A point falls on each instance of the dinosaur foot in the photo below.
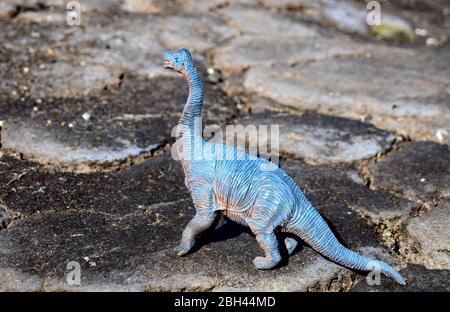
(182, 249)
(264, 263)
(291, 244)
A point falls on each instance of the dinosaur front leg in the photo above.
(200, 223)
(268, 242)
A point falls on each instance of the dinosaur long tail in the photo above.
(312, 228)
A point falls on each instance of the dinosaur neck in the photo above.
(190, 122)
(192, 113)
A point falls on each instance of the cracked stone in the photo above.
(137, 33)
(432, 234)
(28, 188)
(258, 52)
(198, 33)
(396, 89)
(64, 79)
(61, 130)
(253, 20)
(419, 279)
(38, 68)
(26, 40)
(129, 44)
(121, 220)
(418, 170)
(347, 16)
(333, 187)
(318, 138)
(135, 118)
(97, 216)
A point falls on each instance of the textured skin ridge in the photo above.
(235, 185)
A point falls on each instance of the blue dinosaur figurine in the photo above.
(236, 186)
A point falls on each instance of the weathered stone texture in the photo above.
(418, 170)
(319, 138)
(87, 111)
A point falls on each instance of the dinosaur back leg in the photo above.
(268, 242)
(291, 243)
(272, 208)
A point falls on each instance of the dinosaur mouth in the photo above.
(167, 64)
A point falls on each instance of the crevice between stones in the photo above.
(368, 178)
(389, 230)
(85, 168)
(342, 281)
(8, 217)
(21, 8)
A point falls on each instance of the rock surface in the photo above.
(433, 238)
(260, 51)
(419, 279)
(134, 118)
(409, 102)
(123, 234)
(418, 170)
(198, 33)
(319, 138)
(254, 20)
(86, 113)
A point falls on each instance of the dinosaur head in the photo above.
(178, 60)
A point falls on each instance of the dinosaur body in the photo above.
(236, 185)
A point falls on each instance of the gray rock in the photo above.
(333, 188)
(258, 52)
(319, 138)
(419, 279)
(431, 236)
(344, 15)
(134, 118)
(130, 44)
(121, 227)
(151, 184)
(348, 16)
(86, 115)
(137, 61)
(257, 21)
(418, 170)
(198, 33)
(398, 90)
(32, 39)
(65, 79)
(140, 33)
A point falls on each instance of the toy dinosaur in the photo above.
(264, 200)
